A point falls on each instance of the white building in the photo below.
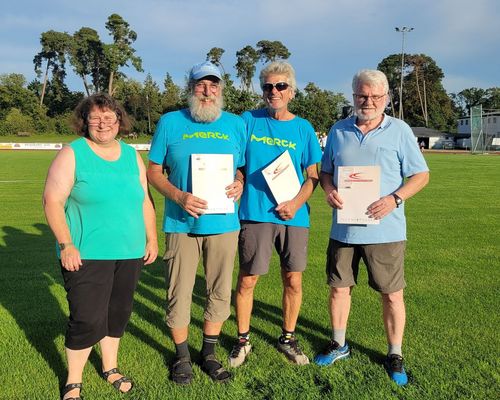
(491, 129)
(433, 139)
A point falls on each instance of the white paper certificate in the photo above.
(281, 178)
(358, 187)
(210, 175)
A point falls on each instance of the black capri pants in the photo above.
(100, 297)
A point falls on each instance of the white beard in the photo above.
(367, 117)
(202, 112)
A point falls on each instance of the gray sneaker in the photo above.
(239, 353)
(293, 352)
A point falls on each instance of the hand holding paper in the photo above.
(358, 187)
(281, 178)
(193, 205)
(234, 190)
(211, 176)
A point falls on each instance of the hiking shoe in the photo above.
(332, 353)
(239, 353)
(293, 352)
(395, 368)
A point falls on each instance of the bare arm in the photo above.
(60, 180)
(287, 209)
(191, 204)
(380, 208)
(151, 251)
(332, 196)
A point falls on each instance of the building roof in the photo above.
(422, 131)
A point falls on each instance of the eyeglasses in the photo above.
(107, 120)
(280, 86)
(363, 98)
(201, 86)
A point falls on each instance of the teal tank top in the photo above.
(104, 210)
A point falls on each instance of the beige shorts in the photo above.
(182, 256)
(384, 262)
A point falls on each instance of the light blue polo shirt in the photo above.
(394, 148)
(178, 136)
(268, 139)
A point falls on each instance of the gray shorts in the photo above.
(256, 243)
(182, 255)
(384, 262)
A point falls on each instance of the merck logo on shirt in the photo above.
(205, 135)
(274, 141)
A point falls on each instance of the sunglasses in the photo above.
(280, 86)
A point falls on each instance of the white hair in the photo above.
(370, 77)
(279, 68)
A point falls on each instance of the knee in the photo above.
(247, 283)
(393, 298)
(293, 282)
(340, 292)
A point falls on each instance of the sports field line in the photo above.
(22, 181)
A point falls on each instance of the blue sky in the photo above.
(329, 40)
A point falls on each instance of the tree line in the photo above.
(45, 104)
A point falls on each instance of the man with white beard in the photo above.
(203, 128)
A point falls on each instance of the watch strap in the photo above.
(62, 246)
(397, 199)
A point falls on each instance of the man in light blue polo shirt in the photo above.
(191, 234)
(371, 138)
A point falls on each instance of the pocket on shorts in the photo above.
(168, 255)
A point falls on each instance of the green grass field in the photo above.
(452, 339)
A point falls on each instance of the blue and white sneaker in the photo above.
(332, 353)
(395, 368)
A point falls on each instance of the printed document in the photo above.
(210, 175)
(281, 178)
(358, 187)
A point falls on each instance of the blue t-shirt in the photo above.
(178, 136)
(394, 148)
(268, 139)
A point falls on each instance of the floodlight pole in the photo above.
(403, 30)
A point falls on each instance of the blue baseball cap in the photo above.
(204, 69)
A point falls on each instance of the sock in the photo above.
(339, 336)
(394, 349)
(181, 350)
(244, 337)
(286, 336)
(209, 342)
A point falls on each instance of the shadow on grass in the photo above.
(153, 281)
(29, 270)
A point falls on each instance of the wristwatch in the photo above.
(62, 246)
(398, 200)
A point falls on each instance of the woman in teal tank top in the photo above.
(98, 206)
